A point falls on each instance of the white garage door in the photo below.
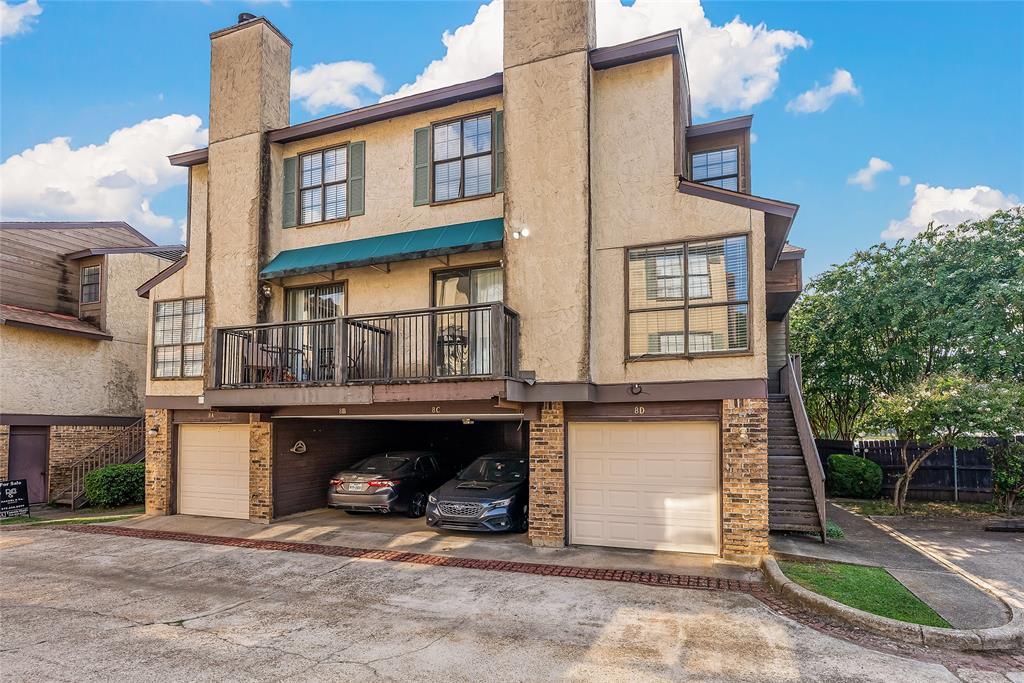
(644, 485)
(213, 470)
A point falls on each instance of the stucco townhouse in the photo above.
(73, 338)
(552, 259)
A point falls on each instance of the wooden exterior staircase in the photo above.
(128, 445)
(796, 480)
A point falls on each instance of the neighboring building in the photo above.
(523, 261)
(72, 343)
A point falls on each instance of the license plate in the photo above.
(353, 487)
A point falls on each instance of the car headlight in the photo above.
(432, 498)
(504, 502)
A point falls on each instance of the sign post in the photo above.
(13, 498)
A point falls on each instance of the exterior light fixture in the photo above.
(467, 420)
(265, 290)
(153, 431)
(525, 232)
(636, 389)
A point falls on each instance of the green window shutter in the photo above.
(421, 167)
(499, 151)
(288, 205)
(356, 178)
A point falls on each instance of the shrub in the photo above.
(116, 485)
(853, 477)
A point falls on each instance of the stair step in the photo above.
(780, 493)
(774, 451)
(794, 506)
(788, 482)
(784, 520)
(808, 528)
(783, 439)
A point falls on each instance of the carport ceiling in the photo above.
(486, 417)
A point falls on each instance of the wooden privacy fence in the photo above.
(963, 474)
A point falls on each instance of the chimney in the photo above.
(547, 182)
(250, 71)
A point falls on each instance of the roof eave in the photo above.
(97, 335)
(143, 289)
(778, 215)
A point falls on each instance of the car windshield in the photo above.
(380, 463)
(495, 470)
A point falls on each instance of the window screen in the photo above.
(688, 298)
(462, 160)
(90, 278)
(323, 185)
(178, 329)
(719, 168)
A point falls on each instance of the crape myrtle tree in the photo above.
(950, 300)
(944, 410)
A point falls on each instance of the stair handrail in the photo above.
(119, 449)
(790, 383)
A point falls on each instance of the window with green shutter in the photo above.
(459, 159)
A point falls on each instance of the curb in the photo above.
(1009, 636)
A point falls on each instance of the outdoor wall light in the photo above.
(265, 290)
(153, 431)
(636, 389)
(525, 232)
(467, 420)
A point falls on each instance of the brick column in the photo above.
(745, 478)
(5, 440)
(159, 463)
(261, 459)
(547, 477)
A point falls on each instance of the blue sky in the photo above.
(931, 90)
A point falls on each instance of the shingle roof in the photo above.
(29, 318)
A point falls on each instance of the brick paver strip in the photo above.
(985, 661)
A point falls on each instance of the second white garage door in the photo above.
(644, 485)
(213, 470)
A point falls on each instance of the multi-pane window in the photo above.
(689, 298)
(178, 338)
(90, 278)
(719, 168)
(462, 159)
(323, 185)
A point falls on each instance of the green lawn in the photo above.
(919, 508)
(47, 518)
(871, 589)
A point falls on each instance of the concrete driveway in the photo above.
(89, 607)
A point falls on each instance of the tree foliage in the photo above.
(944, 410)
(949, 300)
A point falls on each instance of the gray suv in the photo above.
(396, 481)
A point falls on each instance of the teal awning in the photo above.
(402, 246)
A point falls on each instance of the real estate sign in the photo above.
(14, 498)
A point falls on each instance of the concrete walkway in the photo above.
(394, 532)
(953, 597)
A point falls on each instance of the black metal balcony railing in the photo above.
(430, 344)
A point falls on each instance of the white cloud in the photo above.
(338, 84)
(951, 206)
(731, 67)
(114, 180)
(15, 19)
(904, 180)
(820, 97)
(865, 177)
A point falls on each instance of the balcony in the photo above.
(425, 345)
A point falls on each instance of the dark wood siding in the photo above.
(778, 347)
(33, 270)
(300, 480)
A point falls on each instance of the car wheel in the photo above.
(418, 505)
(524, 520)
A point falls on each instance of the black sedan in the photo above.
(492, 494)
(397, 481)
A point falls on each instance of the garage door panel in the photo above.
(662, 494)
(213, 470)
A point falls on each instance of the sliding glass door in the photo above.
(310, 348)
(463, 338)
